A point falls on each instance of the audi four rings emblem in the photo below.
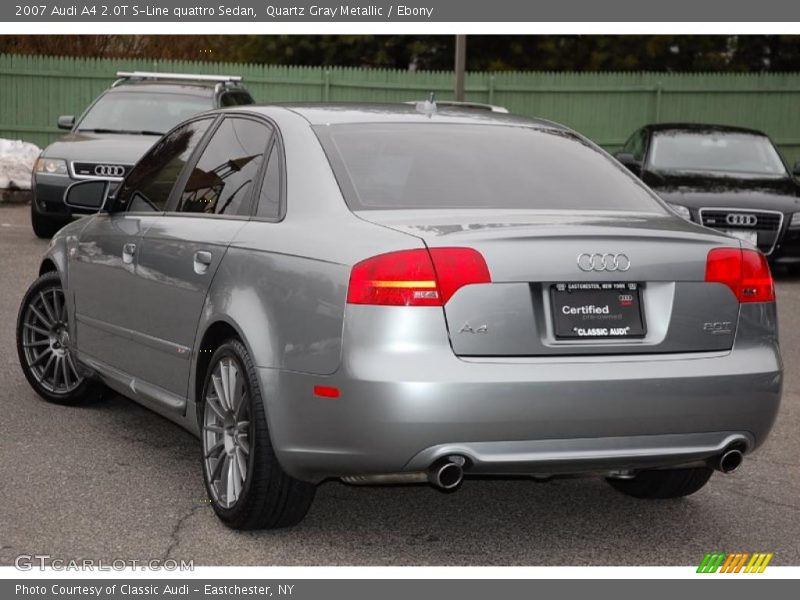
(741, 219)
(109, 170)
(603, 262)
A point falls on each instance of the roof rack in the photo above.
(124, 75)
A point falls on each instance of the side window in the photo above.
(221, 181)
(635, 145)
(269, 202)
(148, 186)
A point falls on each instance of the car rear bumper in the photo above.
(407, 400)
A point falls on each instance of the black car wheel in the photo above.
(663, 484)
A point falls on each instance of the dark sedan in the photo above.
(727, 178)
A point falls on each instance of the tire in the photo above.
(43, 346)
(235, 437)
(44, 227)
(663, 484)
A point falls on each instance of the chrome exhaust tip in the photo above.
(730, 460)
(448, 473)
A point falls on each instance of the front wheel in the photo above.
(246, 484)
(43, 346)
(663, 484)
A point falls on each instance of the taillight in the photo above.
(416, 277)
(746, 272)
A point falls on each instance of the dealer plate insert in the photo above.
(597, 310)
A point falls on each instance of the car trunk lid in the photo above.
(569, 282)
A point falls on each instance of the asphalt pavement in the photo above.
(116, 481)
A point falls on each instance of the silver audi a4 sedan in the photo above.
(382, 295)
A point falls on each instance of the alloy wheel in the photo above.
(226, 432)
(45, 342)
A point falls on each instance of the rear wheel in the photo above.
(43, 226)
(663, 484)
(246, 484)
(43, 346)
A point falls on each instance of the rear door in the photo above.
(181, 251)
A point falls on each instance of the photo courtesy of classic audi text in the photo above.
(357, 299)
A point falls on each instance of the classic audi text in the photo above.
(381, 295)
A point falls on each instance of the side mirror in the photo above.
(66, 122)
(89, 195)
(630, 162)
(796, 169)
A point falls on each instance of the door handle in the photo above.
(128, 252)
(202, 260)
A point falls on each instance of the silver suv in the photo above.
(383, 296)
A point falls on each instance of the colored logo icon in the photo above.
(738, 562)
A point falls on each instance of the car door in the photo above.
(179, 254)
(103, 266)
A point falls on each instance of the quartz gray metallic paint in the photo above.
(412, 390)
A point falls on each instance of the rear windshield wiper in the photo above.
(125, 131)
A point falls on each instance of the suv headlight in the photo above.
(681, 210)
(51, 166)
(795, 222)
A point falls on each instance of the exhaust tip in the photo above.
(448, 474)
(730, 460)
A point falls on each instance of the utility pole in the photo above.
(460, 66)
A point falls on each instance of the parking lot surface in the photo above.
(116, 481)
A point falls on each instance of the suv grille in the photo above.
(739, 219)
(765, 224)
(98, 169)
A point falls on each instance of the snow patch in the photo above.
(16, 164)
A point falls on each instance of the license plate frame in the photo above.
(746, 235)
(597, 311)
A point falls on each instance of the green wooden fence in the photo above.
(607, 107)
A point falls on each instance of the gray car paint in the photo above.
(670, 260)
(405, 393)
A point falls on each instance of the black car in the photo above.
(117, 129)
(727, 178)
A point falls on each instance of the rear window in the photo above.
(456, 166)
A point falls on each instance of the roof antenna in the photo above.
(428, 108)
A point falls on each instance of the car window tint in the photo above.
(221, 181)
(269, 203)
(464, 166)
(147, 188)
